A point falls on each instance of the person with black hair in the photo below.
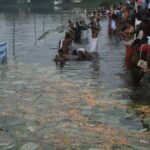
(65, 43)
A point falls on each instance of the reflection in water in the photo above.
(35, 37)
(60, 64)
(140, 94)
(3, 71)
(138, 110)
(14, 32)
(95, 63)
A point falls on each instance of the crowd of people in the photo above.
(73, 36)
(129, 20)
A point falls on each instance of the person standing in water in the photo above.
(95, 28)
(128, 36)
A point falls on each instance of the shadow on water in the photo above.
(140, 94)
(96, 63)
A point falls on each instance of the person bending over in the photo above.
(82, 54)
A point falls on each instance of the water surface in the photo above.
(84, 105)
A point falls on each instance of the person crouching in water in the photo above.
(82, 54)
(60, 58)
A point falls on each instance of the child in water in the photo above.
(60, 57)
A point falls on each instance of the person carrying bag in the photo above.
(142, 63)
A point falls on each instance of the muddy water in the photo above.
(82, 105)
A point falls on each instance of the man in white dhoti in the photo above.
(95, 28)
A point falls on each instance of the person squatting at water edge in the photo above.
(77, 54)
(60, 58)
(64, 52)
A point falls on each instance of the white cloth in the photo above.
(61, 43)
(137, 22)
(93, 46)
(81, 50)
(113, 25)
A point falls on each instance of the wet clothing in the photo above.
(95, 28)
(113, 25)
(82, 54)
(93, 45)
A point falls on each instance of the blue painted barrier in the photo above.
(3, 51)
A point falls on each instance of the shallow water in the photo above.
(82, 105)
